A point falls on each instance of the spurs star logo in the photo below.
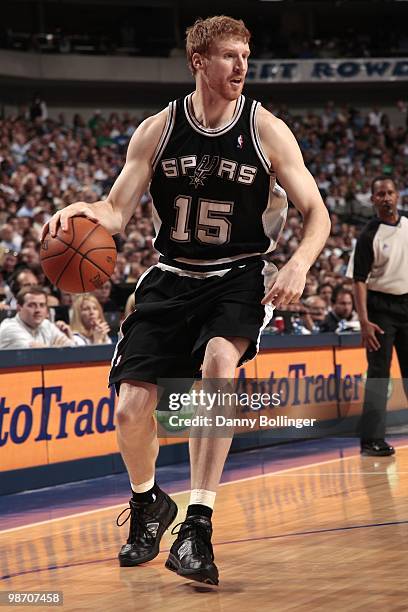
(204, 169)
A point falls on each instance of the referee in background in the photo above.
(379, 268)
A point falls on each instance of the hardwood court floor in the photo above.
(330, 535)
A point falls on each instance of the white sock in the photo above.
(142, 487)
(203, 497)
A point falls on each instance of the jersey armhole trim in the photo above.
(168, 128)
(256, 139)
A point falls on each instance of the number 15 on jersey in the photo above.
(212, 224)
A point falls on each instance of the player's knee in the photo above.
(135, 407)
(218, 367)
(220, 359)
(133, 418)
(125, 419)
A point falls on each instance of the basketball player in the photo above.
(211, 161)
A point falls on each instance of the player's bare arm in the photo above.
(115, 212)
(286, 158)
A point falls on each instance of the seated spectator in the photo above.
(310, 286)
(66, 298)
(3, 298)
(325, 291)
(335, 200)
(121, 269)
(8, 262)
(88, 322)
(22, 278)
(27, 208)
(103, 295)
(135, 272)
(52, 300)
(30, 328)
(28, 256)
(342, 316)
(9, 238)
(329, 279)
(53, 310)
(347, 283)
(315, 313)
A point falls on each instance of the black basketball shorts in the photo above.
(175, 317)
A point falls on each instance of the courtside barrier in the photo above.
(57, 413)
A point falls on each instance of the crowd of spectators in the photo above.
(46, 164)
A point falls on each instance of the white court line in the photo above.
(222, 484)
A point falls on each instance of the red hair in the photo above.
(201, 35)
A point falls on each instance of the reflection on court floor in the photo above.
(329, 534)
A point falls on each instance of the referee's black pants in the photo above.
(390, 312)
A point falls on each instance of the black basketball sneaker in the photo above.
(376, 448)
(148, 522)
(191, 555)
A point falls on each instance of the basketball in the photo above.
(80, 259)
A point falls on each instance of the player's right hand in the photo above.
(368, 335)
(60, 218)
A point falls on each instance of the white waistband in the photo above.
(190, 274)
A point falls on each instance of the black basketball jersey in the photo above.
(215, 197)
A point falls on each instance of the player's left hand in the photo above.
(288, 285)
